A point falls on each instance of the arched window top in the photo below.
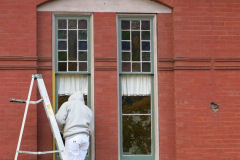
(120, 6)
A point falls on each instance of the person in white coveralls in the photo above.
(75, 122)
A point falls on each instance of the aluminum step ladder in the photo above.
(50, 115)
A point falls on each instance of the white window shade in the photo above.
(133, 85)
(68, 84)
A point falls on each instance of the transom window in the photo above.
(72, 45)
(136, 45)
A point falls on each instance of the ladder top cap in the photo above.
(37, 76)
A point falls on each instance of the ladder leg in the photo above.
(24, 118)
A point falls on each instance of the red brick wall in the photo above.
(106, 97)
(166, 87)
(18, 38)
(44, 51)
(209, 32)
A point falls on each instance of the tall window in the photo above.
(73, 57)
(136, 88)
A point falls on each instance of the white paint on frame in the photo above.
(118, 6)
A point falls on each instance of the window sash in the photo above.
(120, 50)
(138, 157)
(88, 50)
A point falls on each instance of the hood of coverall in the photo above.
(76, 96)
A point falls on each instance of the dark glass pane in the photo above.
(125, 35)
(62, 66)
(72, 45)
(83, 66)
(146, 46)
(145, 56)
(136, 46)
(82, 35)
(145, 25)
(146, 67)
(136, 104)
(136, 135)
(62, 34)
(62, 45)
(82, 56)
(72, 24)
(62, 56)
(82, 24)
(125, 45)
(126, 66)
(72, 66)
(82, 45)
(135, 25)
(145, 35)
(136, 67)
(62, 24)
(125, 56)
(64, 98)
(125, 25)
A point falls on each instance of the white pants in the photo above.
(77, 146)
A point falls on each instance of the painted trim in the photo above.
(133, 6)
(155, 93)
(53, 106)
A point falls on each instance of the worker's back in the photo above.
(75, 117)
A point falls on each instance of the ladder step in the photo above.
(46, 152)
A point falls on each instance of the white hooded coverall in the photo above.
(75, 122)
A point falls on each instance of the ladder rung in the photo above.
(46, 152)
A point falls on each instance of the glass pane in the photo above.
(62, 34)
(146, 46)
(83, 66)
(136, 46)
(125, 56)
(62, 24)
(72, 66)
(62, 45)
(64, 98)
(72, 45)
(145, 35)
(125, 45)
(146, 67)
(82, 24)
(125, 25)
(126, 66)
(136, 104)
(82, 56)
(125, 35)
(62, 56)
(82, 35)
(136, 67)
(82, 45)
(145, 25)
(136, 135)
(72, 24)
(145, 56)
(135, 25)
(62, 66)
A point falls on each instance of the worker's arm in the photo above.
(92, 126)
(61, 116)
